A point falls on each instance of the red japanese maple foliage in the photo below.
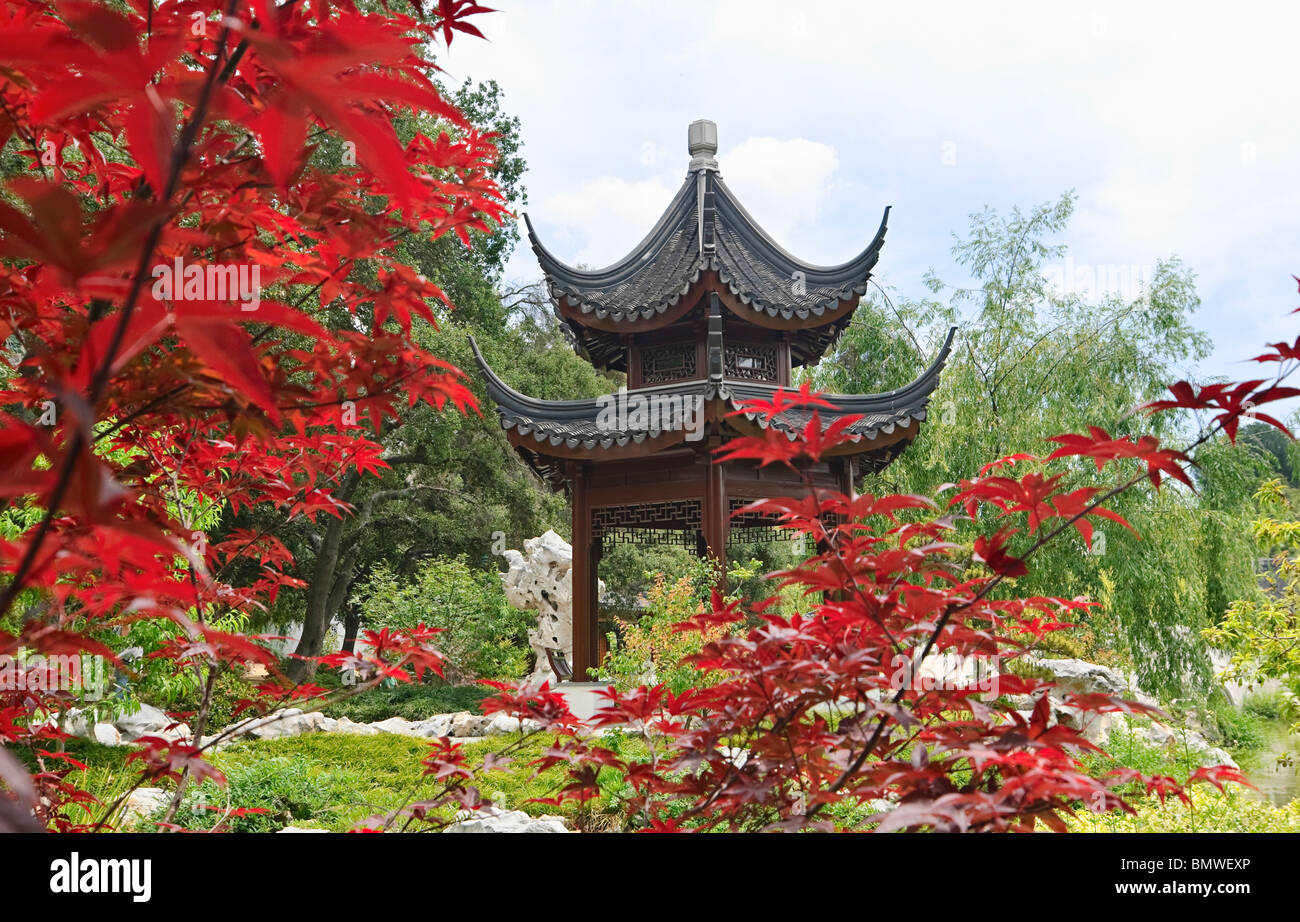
(810, 727)
(165, 262)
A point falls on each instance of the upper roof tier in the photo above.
(706, 231)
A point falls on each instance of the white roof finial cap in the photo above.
(702, 141)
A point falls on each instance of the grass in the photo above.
(330, 781)
(411, 701)
(338, 782)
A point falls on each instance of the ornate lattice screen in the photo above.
(754, 527)
(675, 521)
(662, 364)
(750, 362)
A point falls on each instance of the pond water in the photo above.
(1275, 769)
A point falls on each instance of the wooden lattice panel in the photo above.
(751, 362)
(753, 527)
(676, 521)
(663, 364)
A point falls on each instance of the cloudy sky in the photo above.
(1176, 124)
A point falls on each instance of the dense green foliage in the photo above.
(454, 483)
(413, 701)
(1032, 359)
(647, 649)
(482, 635)
(1262, 631)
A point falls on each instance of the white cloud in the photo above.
(599, 221)
(1175, 124)
(785, 185)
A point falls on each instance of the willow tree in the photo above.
(1035, 357)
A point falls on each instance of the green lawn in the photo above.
(328, 781)
(340, 781)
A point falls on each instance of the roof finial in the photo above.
(702, 140)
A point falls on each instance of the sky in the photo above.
(1176, 124)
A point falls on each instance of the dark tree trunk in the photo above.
(335, 568)
(326, 592)
(351, 624)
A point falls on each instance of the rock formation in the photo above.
(540, 579)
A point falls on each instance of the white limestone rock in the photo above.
(1078, 677)
(463, 723)
(346, 725)
(437, 726)
(149, 721)
(540, 579)
(503, 724)
(106, 734)
(141, 804)
(396, 725)
(492, 819)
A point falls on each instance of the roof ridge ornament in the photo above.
(702, 142)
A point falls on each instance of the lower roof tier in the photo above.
(646, 421)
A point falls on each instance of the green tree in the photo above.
(453, 483)
(1031, 360)
(482, 636)
(1262, 629)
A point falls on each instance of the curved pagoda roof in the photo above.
(706, 239)
(549, 432)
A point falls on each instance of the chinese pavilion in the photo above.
(705, 313)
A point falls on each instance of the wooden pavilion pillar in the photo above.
(846, 478)
(586, 594)
(717, 520)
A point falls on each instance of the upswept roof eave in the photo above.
(564, 275)
(854, 270)
(531, 415)
(582, 408)
(757, 270)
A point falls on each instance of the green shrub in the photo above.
(1210, 811)
(649, 649)
(1241, 730)
(1125, 748)
(415, 701)
(1267, 706)
(229, 690)
(292, 791)
(482, 634)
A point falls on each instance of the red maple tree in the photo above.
(164, 143)
(810, 726)
(166, 260)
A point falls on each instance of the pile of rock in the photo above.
(149, 721)
(1078, 677)
(493, 819)
(125, 728)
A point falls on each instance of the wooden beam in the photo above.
(584, 603)
(717, 520)
(593, 616)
